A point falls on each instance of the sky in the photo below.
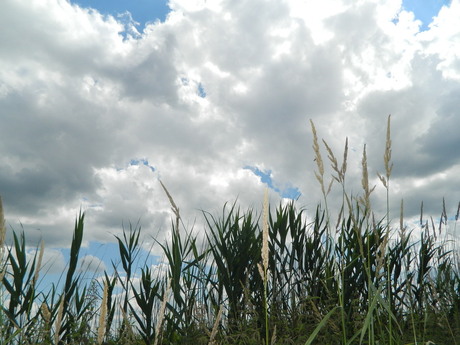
(99, 100)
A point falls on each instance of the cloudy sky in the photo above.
(101, 99)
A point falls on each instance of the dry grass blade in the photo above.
(216, 325)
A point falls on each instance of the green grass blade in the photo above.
(318, 328)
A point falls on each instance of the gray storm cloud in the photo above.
(211, 90)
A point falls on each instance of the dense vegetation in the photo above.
(278, 277)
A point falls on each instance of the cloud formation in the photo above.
(217, 87)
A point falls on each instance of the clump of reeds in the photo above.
(282, 276)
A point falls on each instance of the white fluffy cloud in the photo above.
(91, 263)
(219, 86)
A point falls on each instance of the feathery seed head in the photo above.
(333, 161)
(387, 155)
(265, 235)
(39, 262)
(318, 158)
(402, 229)
(102, 316)
(59, 320)
(45, 312)
(365, 182)
(161, 313)
(345, 156)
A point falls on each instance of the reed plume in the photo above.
(263, 270)
(265, 236)
(58, 322)
(46, 314)
(174, 208)
(365, 200)
(102, 316)
(39, 262)
(318, 159)
(161, 312)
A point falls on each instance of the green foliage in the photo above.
(359, 282)
(235, 246)
(318, 287)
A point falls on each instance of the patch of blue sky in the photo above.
(145, 11)
(141, 161)
(106, 258)
(425, 10)
(292, 193)
(109, 254)
(142, 11)
(265, 177)
(200, 91)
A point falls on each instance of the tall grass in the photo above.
(282, 276)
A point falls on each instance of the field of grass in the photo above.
(278, 276)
